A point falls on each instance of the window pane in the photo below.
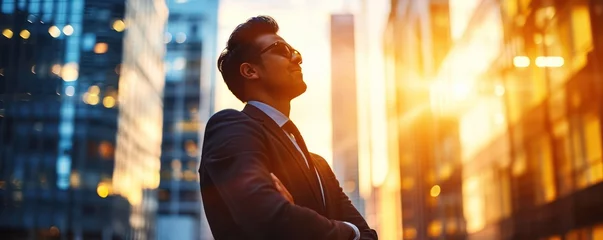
(581, 27)
(564, 158)
(592, 135)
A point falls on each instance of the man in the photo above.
(258, 180)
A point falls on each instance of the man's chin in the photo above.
(297, 89)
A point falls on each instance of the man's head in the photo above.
(258, 63)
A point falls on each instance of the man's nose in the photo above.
(296, 57)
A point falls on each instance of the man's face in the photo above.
(280, 73)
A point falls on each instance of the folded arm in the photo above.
(349, 213)
(234, 159)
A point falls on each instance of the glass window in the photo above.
(505, 190)
(593, 171)
(557, 41)
(541, 161)
(557, 106)
(564, 158)
(587, 146)
(581, 33)
(189, 196)
(474, 204)
(164, 195)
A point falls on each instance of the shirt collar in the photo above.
(279, 118)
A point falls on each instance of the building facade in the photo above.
(81, 95)
(190, 39)
(423, 142)
(344, 106)
(525, 82)
(553, 121)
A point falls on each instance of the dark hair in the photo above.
(239, 49)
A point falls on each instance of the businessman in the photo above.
(258, 179)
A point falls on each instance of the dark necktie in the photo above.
(292, 129)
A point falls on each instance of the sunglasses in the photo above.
(282, 49)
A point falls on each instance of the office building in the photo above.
(80, 128)
(344, 106)
(424, 144)
(525, 84)
(190, 39)
(550, 164)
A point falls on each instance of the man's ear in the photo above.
(248, 71)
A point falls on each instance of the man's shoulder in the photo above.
(319, 159)
(226, 114)
(230, 120)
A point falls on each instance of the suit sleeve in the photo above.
(234, 158)
(349, 213)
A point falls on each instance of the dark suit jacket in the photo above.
(240, 150)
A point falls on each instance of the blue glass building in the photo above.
(190, 39)
(80, 118)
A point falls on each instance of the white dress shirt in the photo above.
(280, 119)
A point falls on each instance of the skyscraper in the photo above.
(417, 39)
(190, 38)
(80, 117)
(344, 105)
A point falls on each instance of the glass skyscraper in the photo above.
(190, 67)
(80, 118)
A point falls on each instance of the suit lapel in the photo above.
(323, 171)
(275, 130)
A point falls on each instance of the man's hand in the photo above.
(281, 188)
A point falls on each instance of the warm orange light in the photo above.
(102, 190)
(435, 229)
(68, 30)
(106, 150)
(408, 183)
(91, 99)
(191, 148)
(101, 48)
(190, 176)
(94, 90)
(109, 102)
(7, 33)
(70, 72)
(409, 233)
(119, 25)
(56, 69)
(550, 61)
(435, 191)
(74, 179)
(25, 34)
(521, 61)
(54, 31)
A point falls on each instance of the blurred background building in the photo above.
(75, 133)
(416, 40)
(344, 106)
(191, 42)
(499, 112)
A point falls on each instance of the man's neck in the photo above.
(282, 106)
